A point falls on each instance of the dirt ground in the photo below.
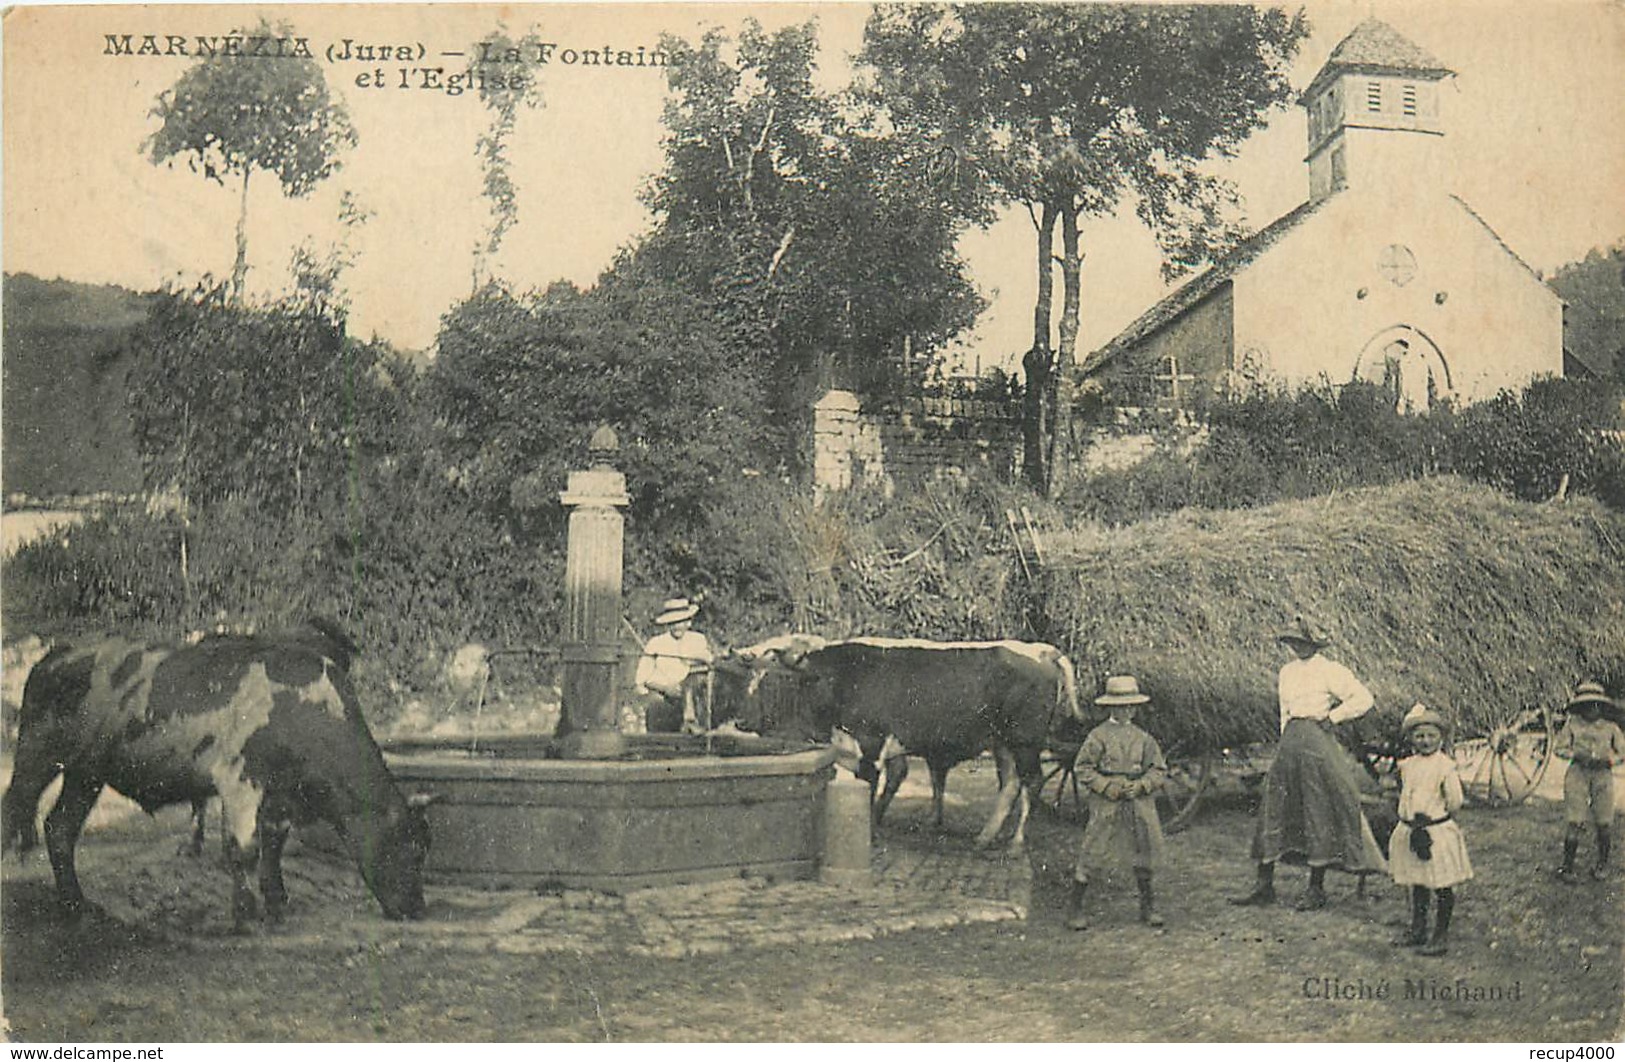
(1215, 973)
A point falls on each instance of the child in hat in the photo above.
(669, 661)
(1122, 768)
(1427, 850)
(1592, 745)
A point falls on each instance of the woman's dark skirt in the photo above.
(1311, 810)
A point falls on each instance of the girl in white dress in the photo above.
(1427, 850)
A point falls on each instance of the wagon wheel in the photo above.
(1188, 783)
(1059, 791)
(1504, 767)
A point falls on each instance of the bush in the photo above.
(270, 403)
(939, 561)
(117, 571)
(1525, 444)
(1273, 447)
(411, 579)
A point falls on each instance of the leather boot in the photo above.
(1263, 894)
(1571, 847)
(1148, 899)
(1417, 935)
(1075, 918)
(1441, 926)
(1314, 897)
(1605, 842)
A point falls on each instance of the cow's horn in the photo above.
(423, 800)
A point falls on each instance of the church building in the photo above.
(1383, 275)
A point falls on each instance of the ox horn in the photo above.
(424, 800)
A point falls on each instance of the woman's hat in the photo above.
(1421, 715)
(1591, 693)
(675, 610)
(1120, 690)
(1304, 630)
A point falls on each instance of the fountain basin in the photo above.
(510, 815)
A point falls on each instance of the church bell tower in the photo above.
(1374, 119)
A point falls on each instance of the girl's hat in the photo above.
(675, 610)
(1304, 630)
(1590, 693)
(1421, 715)
(1121, 690)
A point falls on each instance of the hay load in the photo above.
(1437, 590)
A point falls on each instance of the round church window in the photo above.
(1397, 264)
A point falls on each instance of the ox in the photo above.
(270, 724)
(755, 689)
(946, 702)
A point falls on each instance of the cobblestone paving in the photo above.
(921, 881)
(922, 878)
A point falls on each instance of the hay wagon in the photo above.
(1438, 590)
(1502, 767)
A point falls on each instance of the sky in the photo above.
(1534, 120)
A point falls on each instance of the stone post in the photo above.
(845, 859)
(589, 723)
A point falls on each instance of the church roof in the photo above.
(1240, 257)
(1203, 284)
(1496, 236)
(1375, 43)
(1374, 47)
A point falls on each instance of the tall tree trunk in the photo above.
(239, 269)
(1060, 461)
(1037, 361)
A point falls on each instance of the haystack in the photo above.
(1440, 590)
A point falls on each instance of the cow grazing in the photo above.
(270, 724)
(946, 702)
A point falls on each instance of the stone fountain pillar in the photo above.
(589, 724)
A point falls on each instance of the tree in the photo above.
(318, 270)
(269, 403)
(259, 409)
(805, 225)
(503, 97)
(229, 116)
(521, 381)
(1594, 317)
(1073, 110)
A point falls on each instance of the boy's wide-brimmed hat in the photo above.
(1591, 693)
(1121, 690)
(675, 610)
(1421, 715)
(1305, 631)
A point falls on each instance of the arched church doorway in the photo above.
(1408, 365)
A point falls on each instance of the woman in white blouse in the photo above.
(1311, 812)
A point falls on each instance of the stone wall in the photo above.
(1133, 435)
(929, 437)
(920, 439)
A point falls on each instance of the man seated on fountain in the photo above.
(673, 671)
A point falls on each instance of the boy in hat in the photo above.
(1592, 745)
(1123, 769)
(1427, 850)
(669, 659)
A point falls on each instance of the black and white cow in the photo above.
(944, 701)
(270, 724)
